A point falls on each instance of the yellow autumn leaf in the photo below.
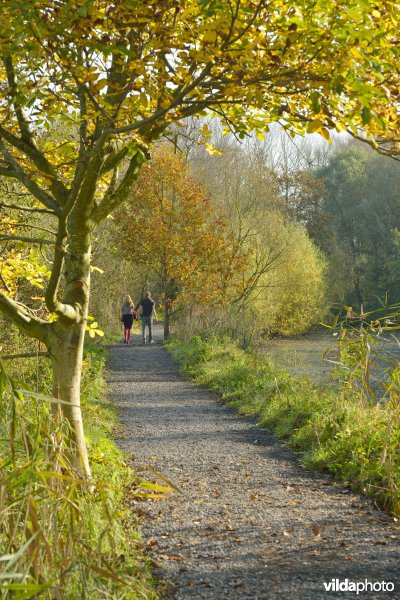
(315, 126)
(101, 83)
(326, 135)
(212, 150)
(210, 36)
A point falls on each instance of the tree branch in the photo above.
(83, 126)
(15, 170)
(29, 226)
(27, 323)
(97, 106)
(23, 125)
(27, 209)
(111, 201)
(24, 355)
(144, 123)
(113, 161)
(377, 146)
(83, 189)
(81, 200)
(4, 282)
(26, 143)
(20, 238)
(59, 190)
(52, 303)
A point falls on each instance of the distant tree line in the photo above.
(351, 209)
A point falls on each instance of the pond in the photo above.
(307, 354)
(314, 354)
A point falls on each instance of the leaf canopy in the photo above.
(139, 66)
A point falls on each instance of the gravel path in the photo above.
(250, 522)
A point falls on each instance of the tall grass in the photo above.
(337, 429)
(61, 537)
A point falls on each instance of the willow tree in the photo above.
(113, 75)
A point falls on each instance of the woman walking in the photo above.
(127, 315)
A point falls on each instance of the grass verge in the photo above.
(340, 431)
(59, 537)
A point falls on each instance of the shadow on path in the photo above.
(250, 523)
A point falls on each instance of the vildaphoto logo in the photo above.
(345, 585)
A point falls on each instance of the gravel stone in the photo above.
(250, 523)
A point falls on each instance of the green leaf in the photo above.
(366, 115)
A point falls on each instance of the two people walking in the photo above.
(146, 309)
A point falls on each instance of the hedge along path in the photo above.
(250, 523)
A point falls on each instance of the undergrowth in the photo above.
(61, 537)
(337, 430)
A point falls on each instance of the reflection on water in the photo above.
(314, 354)
(307, 354)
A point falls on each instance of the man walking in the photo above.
(148, 310)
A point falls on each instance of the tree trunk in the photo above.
(166, 321)
(67, 354)
(66, 346)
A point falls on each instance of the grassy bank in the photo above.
(62, 538)
(340, 431)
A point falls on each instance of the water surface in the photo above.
(315, 354)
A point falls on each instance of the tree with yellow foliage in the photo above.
(114, 75)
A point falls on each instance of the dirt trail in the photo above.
(251, 523)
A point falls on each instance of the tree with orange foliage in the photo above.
(173, 230)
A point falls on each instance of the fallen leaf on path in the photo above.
(215, 521)
(165, 479)
(316, 530)
(170, 556)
